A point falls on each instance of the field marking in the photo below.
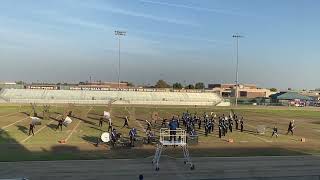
(77, 126)
(137, 121)
(39, 129)
(4, 127)
(9, 114)
(36, 132)
(257, 135)
(72, 131)
(88, 112)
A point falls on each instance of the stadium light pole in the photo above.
(90, 84)
(237, 36)
(119, 34)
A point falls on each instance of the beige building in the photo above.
(244, 90)
(315, 95)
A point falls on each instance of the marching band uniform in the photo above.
(31, 129)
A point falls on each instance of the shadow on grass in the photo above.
(84, 120)
(93, 118)
(92, 113)
(56, 119)
(25, 113)
(52, 126)
(99, 129)
(23, 129)
(315, 122)
(91, 139)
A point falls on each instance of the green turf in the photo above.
(82, 134)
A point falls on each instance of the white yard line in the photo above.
(8, 114)
(36, 132)
(88, 112)
(76, 126)
(138, 122)
(72, 131)
(4, 127)
(265, 140)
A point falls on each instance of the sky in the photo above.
(176, 40)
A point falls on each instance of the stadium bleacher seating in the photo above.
(121, 97)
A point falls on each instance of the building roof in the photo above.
(289, 96)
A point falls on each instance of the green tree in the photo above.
(20, 82)
(162, 84)
(177, 85)
(190, 86)
(273, 90)
(199, 85)
(130, 84)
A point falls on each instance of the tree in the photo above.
(199, 85)
(177, 85)
(162, 84)
(190, 86)
(273, 90)
(129, 84)
(20, 82)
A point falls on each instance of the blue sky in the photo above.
(185, 41)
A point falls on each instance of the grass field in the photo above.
(81, 134)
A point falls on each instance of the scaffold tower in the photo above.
(173, 138)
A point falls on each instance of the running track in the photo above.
(238, 168)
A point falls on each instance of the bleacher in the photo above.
(103, 97)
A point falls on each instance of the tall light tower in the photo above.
(237, 36)
(119, 34)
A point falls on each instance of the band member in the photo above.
(193, 132)
(241, 124)
(220, 130)
(148, 125)
(100, 122)
(199, 123)
(132, 135)
(275, 131)
(126, 122)
(226, 125)
(113, 137)
(110, 125)
(173, 127)
(70, 113)
(31, 127)
(212, 124)
(291, 127)
(206, 128)
(237, 122)
(60, 124)
(164, 123)
(140, 177)
(150, 136)
(230, 124)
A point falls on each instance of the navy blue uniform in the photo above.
(173, 127)
(132, 134)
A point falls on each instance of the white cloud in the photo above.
(143, 15)
(203, 9)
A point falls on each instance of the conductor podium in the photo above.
(168, 138)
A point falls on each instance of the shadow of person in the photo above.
(23, 129)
